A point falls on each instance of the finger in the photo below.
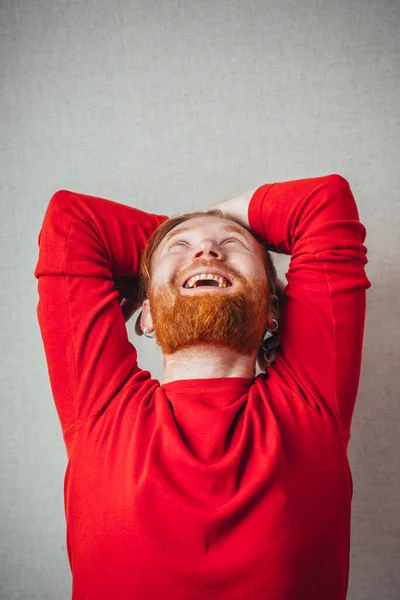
(265, 357)
(271, 342)
(261, 359)
(127, 309)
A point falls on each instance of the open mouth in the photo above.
(207, 280)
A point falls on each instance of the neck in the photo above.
(205, 361)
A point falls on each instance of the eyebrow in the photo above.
(231, 228)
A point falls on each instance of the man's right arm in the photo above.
(85, 243)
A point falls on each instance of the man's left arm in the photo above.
(238, 207)
(316, 221)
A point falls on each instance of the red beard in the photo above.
(235, 319)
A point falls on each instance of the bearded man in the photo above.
(213, 483)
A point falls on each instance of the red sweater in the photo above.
(206, 489)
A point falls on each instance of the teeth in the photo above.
(192, 281)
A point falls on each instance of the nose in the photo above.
(206, 248)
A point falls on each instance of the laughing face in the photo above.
(208, 286)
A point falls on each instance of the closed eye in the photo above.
(178, 242)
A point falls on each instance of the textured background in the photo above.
(172, 106)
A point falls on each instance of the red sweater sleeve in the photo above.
(316, 221)
(84, 242)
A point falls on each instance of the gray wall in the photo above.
(172, 106)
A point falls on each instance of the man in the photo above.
(213, 483)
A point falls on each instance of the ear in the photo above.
(144, 319)
(274, 309)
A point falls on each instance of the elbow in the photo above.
(337, 183)
(61, 198)
(342, 200)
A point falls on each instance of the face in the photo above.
(234, 316)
